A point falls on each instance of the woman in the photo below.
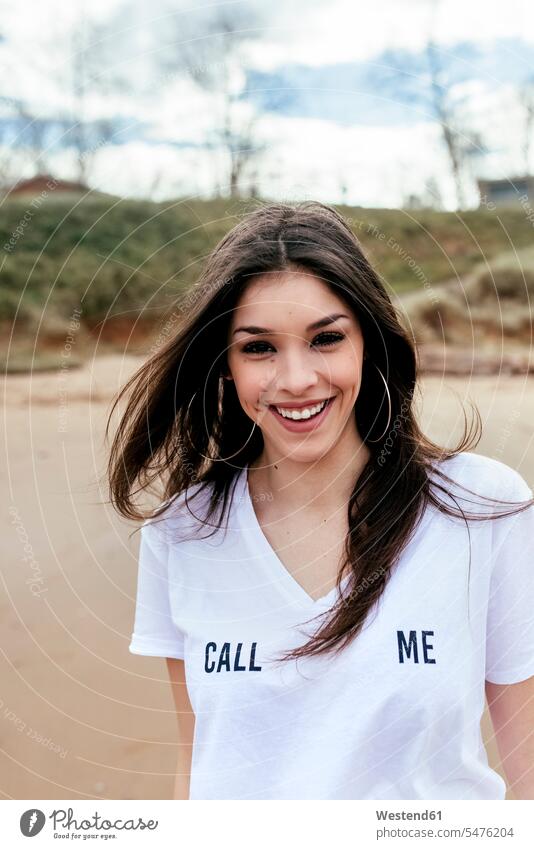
(333, 635)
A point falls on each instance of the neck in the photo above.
(324, 484)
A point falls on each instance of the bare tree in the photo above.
(526, 99)
(88, 78)
(24, 136)
(238, 137)
(34, 137)
(30, 131)
(461, 143)
(211, 50)
(432, 194)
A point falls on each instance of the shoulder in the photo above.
(178, 516)
(485, 476)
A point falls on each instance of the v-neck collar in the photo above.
(269, 559)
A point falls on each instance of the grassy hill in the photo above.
(122, 262)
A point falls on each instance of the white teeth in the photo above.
(305, 413)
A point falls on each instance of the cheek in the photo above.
(248, 382)
(254, 379)
(345, 372)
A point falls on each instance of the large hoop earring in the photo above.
(389, 404)
(214, 459)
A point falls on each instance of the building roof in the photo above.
(41, 182)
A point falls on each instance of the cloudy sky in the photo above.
(338, 89)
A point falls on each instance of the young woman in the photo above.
(331, 608)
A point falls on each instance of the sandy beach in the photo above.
(80, 717)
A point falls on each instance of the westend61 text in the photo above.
(408, 815)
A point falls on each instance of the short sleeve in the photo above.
(510, 622)
(154, 633)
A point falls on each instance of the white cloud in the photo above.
(379, 166)
(345, 30)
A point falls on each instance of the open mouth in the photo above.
(297, 415)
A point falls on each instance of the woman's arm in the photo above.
(186, 727)
(511, 707)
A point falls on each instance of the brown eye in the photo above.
(332, 337)
(325, 340)
(252, 346)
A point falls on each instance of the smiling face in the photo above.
(294, 344)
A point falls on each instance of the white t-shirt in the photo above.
(397, 714)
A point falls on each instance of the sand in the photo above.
(80, 717)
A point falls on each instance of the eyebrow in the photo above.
(328, 319)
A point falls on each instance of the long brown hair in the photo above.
(181, 413)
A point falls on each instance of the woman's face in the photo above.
(277, 359)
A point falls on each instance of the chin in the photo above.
(305, 454)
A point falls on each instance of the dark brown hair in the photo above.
(180, 391)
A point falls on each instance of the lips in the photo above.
(306, 424)
(312, 403)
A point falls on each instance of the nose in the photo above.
(294, 373)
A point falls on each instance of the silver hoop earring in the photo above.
(389, 404)
(214, 459)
